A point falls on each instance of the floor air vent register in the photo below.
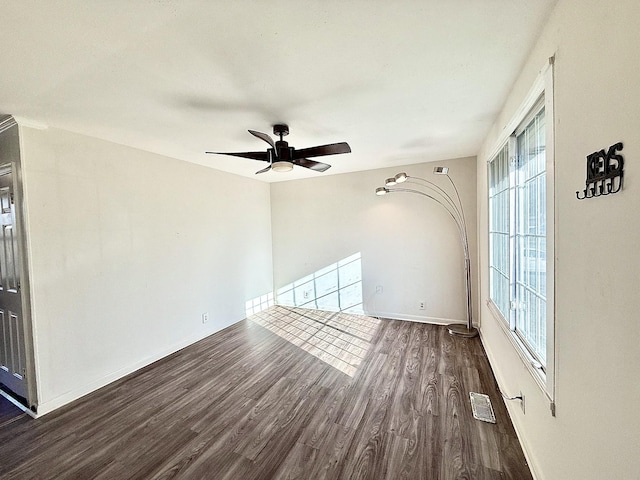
(481, 406)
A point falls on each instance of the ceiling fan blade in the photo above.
(331, 149)
(264, 170)
(264, 156)
(312, 164)
(265, 137)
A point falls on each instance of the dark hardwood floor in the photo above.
(287, 394)
(9, 413)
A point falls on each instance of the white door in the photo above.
(12, 341)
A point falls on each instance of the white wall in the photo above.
(127, 250)
(409, 245)
(596, 433)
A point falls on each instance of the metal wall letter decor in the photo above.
(605, 171)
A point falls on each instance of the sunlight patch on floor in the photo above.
(338, 339)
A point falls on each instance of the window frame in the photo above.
(532, 104)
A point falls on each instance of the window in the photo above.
(520, 192)
(499, 232)
(530, 237)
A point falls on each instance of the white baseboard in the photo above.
(55, 403)
(414, 318)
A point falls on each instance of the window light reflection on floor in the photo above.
(337, 338)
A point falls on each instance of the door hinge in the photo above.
(11, 198)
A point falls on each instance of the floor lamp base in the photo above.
(461, 330)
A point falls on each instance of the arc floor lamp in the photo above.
(453, 206)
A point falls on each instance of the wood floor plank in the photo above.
(301, 398)
(295, 465)
(407, 394)
(512, 461)
(297, 394)
(8, 412)
(358, 396)
(319, 425)
(332, 453)
(457, 450)
(211, 428)
(270, 458)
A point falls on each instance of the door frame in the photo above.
(6, 125)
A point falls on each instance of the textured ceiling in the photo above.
(402, 81)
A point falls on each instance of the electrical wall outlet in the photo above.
(205, 317)
(421, 305)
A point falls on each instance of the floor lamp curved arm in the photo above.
(464, 330)
(423, 182)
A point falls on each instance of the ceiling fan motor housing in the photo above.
(281, 130)
(284, 151)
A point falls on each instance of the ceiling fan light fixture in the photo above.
(390, 182)
(281, 157)
(401, 177)
(282, 166)
(381, 191)
(441, 170)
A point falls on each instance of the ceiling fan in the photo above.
(282, 157)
